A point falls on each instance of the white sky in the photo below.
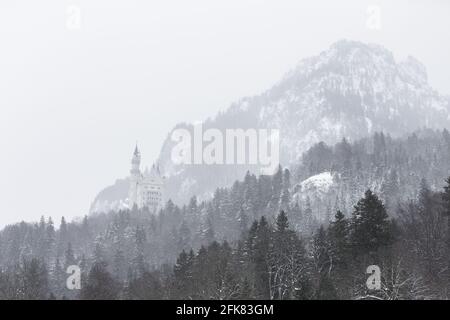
(73, 102)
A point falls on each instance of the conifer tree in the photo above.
(182, 277)
(208, 234)
(286, 261)
(184, 237)
(308, 221)
(69, 257)
(100, 284)
(321, 253)
(338, 233)
(33, 280)
(282, 223)
(62, 236)
(138, 264)
(120, 264)
(326, 289)
(370, 225)
(243, 222)
(145, 287)
(245, 292)
(446, 198)
(295, 217)
(260, 258)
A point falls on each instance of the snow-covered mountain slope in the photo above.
(112, 198)
(350, 90)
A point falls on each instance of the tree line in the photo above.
(271, 261)
(327, 240)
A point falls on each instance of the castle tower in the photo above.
(135, 177)
(146, 188)
(136, 162)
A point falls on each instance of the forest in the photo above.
(262, 238)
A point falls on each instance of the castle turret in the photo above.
(135, 176)
(136, 163)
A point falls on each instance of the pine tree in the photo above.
(85, 228)
(245, 290)
(208, 234)
(308, 218)
(338, 233)
(58, 279)
(285, 199)
(49, 240)
(120, 265)
(100, 284)
(321, 252)
(326, 289)
(184, 238)
(277, 181)
(138, 265)
(33, 280)
(446, 198)
(433, 233)
(379, 149)
(286, 261)
(42, 238)
(370, 225)
(200, 274)
(390, 189)
(182, 277)
(260, 259)
(286, 179)
(243, 222)
(264, 193)
(146, 287)
(277, 188)
(295, 217)
(339, 278)
(62, 236)
(69, 257)
(42, 224)
(193, 207)
(282, 223)
(99, 252)
(343, 158)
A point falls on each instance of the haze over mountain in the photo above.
(350, 90)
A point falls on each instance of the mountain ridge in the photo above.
(350, 90)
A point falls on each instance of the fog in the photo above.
(76, 94)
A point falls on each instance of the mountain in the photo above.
(112, 198)
(350, 90)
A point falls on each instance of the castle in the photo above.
(147, 188)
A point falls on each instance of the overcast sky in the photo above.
(74, 98)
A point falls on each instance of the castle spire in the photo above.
(136, 162)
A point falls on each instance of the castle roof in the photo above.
(136, 151)
(153, 176)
